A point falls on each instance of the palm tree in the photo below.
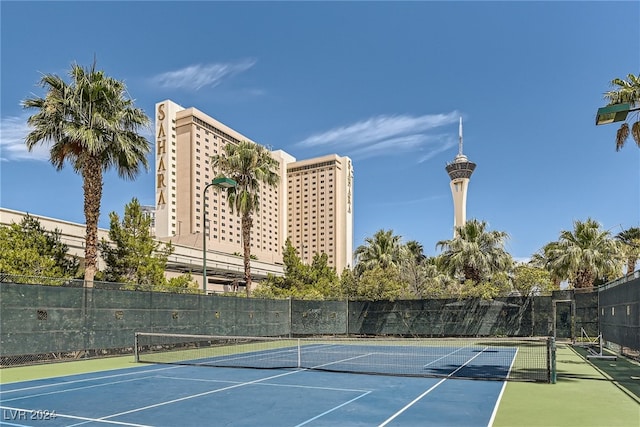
(630, 239)
(584, 255)
(250, 166)
(544, 259)
(382, 250)
(474, 253)
(415, 250)
(412, 269)
(91, 123)
(626, 92)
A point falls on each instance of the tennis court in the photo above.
(420, 384)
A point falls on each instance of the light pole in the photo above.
(221, 182)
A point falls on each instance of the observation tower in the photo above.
(459, 171)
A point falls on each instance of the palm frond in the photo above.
(621, 136)
(635, 132)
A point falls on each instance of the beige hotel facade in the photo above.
(312, 204)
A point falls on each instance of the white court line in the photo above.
(264, 354)
(410, 404)
(74, 389)
(504, 385)
(495, 408)
(214, 391)
(255, 355)
(86, 379)
(266, 384)
(513, 360)
(446, 355)
(155, 405)
(343, 360)
(73, 417)
(333, 409)
(106, 418)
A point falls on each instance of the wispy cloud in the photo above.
(384, 135)
(12, 147)
(13, 131)
(197, 76)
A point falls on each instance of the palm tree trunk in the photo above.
(631, 264)
(584, 279)
(246, 246)
(92, 187)
(472, 274)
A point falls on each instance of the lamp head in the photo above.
(224, 182)
(612, 113)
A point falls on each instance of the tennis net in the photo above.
(517, 359)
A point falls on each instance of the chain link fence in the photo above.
(619, 315)
(63, 320)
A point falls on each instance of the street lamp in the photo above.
(221, 182)
(613, 113)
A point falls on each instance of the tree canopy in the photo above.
(302, 281)
(630, 240)
(28, 249)
(585, 254)
(383, 250)
(134, 257)
(475, 253)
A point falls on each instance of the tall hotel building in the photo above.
(312, 205)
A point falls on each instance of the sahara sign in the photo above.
(161, 153)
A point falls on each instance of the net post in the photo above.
(135, 348)
(551, 351)
(299, 355)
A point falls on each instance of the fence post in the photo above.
(347, 322)
(290, 317)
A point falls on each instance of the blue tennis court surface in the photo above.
(177, 395)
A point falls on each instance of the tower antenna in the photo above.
(460, 142)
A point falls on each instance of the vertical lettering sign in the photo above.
(349, 177)
(161, 153)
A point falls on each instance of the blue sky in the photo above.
(381, 82)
